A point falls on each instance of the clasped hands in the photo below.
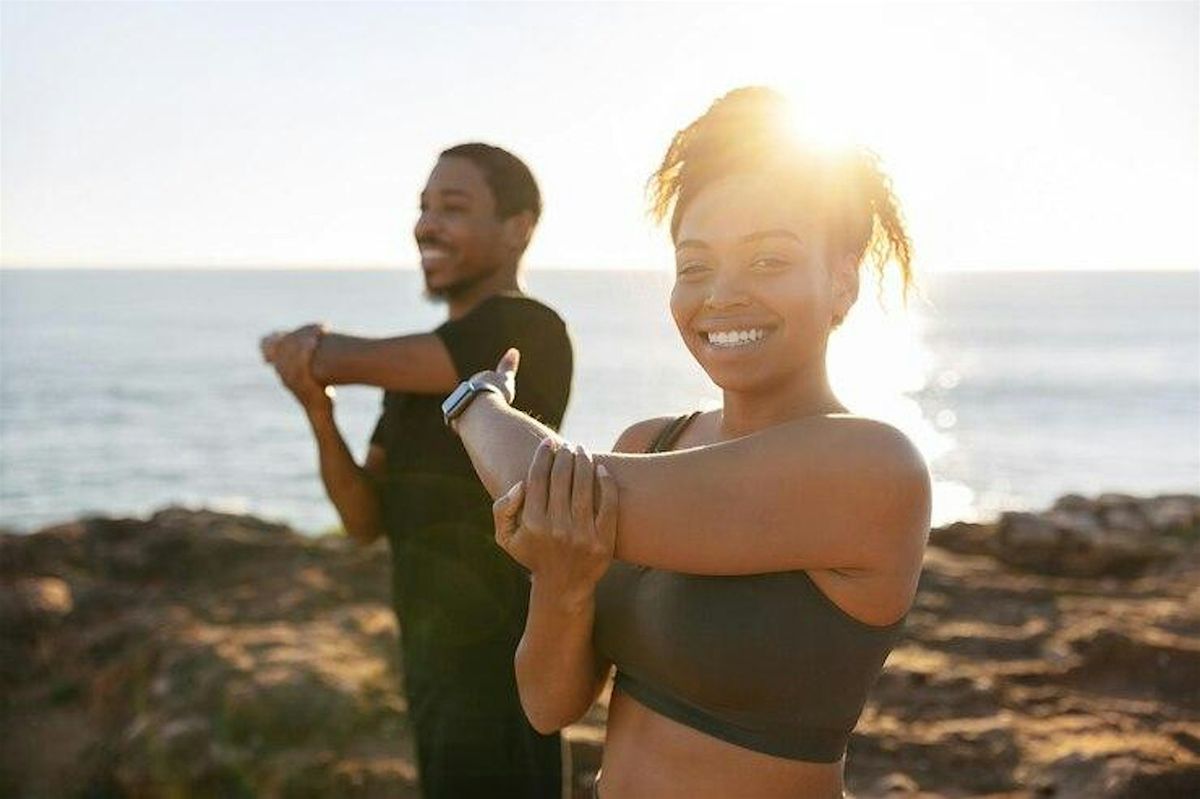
(291, 354)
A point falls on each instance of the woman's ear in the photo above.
(518, 230)
(844, 285)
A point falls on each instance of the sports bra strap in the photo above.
(667, 437)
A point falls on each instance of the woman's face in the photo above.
(753, 297)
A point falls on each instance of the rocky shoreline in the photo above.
(195, 653)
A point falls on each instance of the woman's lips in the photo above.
(735, 336)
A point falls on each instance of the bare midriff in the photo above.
(649, 756)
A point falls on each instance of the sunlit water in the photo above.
(123, 391)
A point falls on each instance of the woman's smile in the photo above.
(736, 337)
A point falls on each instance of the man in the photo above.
(460, 601)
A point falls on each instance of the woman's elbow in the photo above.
(544, 726)
(544, 716)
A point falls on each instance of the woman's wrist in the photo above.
(482, 398)
(574, 600)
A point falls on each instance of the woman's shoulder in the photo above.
(868, 454)
(859, 437)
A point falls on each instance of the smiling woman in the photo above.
(746, 570)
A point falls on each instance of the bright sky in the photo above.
(224, 134)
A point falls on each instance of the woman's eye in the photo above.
(768, 263)
(691, 269)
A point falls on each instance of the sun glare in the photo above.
(827, 130)
(878, 366)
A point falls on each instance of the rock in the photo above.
(184, 745)
(895, 784)
(1071, 540)
(1082, 523)
(1112, 500)
(1074, 503)
(111, 622)
(964, 537)
(1127, 518)
(1027, 540)
(1173, 514)
(29, 603)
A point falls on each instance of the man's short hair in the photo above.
(511, 182)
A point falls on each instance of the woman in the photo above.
(749, 578)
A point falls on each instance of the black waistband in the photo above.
(789, 740)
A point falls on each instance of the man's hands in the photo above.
(561, 522)
(291, 354)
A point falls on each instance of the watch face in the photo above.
(454, 403)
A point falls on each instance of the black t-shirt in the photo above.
(456, 592)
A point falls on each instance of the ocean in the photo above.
(122, 391)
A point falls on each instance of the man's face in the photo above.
(460, 239)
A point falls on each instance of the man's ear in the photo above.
(518, 230)
(844, 279)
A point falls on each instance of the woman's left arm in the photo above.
(830, 492)
(501, 440)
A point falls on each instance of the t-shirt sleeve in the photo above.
(478, 340)
(382, 432)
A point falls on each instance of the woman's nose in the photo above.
(726, 292)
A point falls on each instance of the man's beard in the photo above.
(458, 288)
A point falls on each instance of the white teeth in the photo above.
(735, 338)
(433, 252)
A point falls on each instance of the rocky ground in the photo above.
(203, 654)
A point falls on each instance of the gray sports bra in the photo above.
(764, 661)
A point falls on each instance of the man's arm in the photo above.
(350, 487)
(418, 363)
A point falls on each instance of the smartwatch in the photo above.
(454, 405)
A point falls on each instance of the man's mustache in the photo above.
(430, 241)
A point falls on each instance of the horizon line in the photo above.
(387, 267)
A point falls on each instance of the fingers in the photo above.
(559, 504)
(606, 518)
(581, 491)
(312, 329)
(268, 345)
(278, 343)
(537, 487)
(308, 347)
(505, 511)
(507, 370)
(509, 361)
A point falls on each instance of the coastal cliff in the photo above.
(199, 653)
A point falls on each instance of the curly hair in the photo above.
(750, 130)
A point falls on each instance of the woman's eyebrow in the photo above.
(768, 234)
(758, 235)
